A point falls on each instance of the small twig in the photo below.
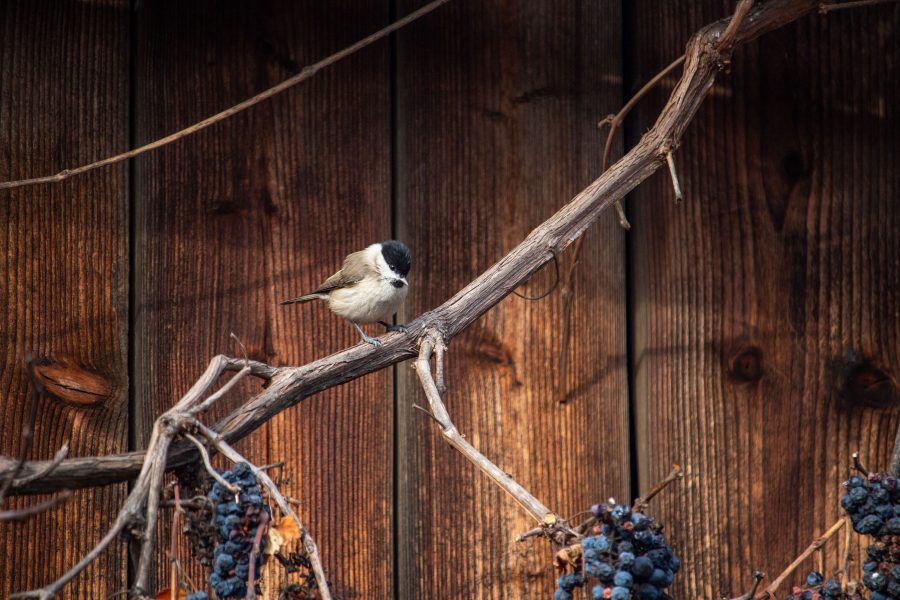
(22, 514)
(619, 118)
(439, 371)
(740, 14)
(288, 83)
(309, 545)
(676, 184)
(757, 578)
(254, 552)
(223, 390)
(827, 7)
(859, 466)
(642, 502)
(274, 465)
(36, 390)
(428, 413)
(770, 590)
(848, 550)
(173, 545)
(243, 348)
(549, 290)
(204, 455)
(49, 591)
(193, 502)
(895, 455)
(60, 456)
(615, 122)
(535, 532)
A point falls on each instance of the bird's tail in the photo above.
(302, 299)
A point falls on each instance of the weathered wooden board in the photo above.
(751, 297)
(256, 210)
(497, 105)
(64, 288)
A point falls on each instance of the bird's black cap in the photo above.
(397, 256)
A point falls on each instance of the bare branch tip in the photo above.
(673, 172)
(858, 465)
(623, 220)
(243, 348)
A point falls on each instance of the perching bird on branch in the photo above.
(369, 288)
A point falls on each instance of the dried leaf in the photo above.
(70, 383)
(289, 529)
(166, 594)
(285, 532)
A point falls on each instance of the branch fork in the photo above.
(140, 512)
(432, 343)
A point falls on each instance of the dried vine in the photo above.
(290, 385)
(707, 52)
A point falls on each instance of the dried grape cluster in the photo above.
(199, 524)
(237, 520)
(873, 504)
(817, 588)
(881, 572)
(627, 555)
(298, 562)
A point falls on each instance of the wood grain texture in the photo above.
(751, 298)
(257, 210)
(496, 113)
(64, 288)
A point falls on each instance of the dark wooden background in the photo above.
(750, 334)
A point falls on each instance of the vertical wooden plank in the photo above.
(749, 297)
(497, 110)
(64, 289)
(256, 210)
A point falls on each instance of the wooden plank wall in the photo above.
(497, 105)
(762, 312)
(257, 210)
(64, 288)
(750, 297)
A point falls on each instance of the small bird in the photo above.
(370, 286)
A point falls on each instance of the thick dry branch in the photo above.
(288, 386)
(288, 83)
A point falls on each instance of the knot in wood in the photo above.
(861, 381)
(746, 364)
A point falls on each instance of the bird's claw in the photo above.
(398, 327)
(370, 340)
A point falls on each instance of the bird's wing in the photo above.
(352, 273)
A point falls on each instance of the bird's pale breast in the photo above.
(372, 299)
